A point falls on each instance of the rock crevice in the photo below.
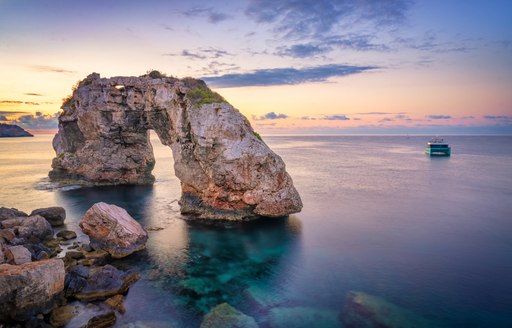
(226, 170)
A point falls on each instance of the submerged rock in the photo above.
(29, 288)
(226, 170)
(302, 317)
(112, 229)
(54, 215)
(225, 316)
(362, 310)
(12, 130)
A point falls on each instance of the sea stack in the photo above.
(226, 171)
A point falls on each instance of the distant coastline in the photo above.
(13, 131)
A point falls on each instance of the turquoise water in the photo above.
(429, 234)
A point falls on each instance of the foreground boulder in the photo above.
(226, 170)
(112, 229)
(368, 311)
(54, 215)
(29, 288)
(225, 316)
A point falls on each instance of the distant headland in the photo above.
(11, 130)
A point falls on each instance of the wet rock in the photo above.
(226, 170)
(7, 234)
(10, 213)
(29, 288)
(62, 315)
(116, 303)
(33, 228)
(364, 310)
(43, 256)
(103, 320)
(99, 283)
(112, 229)
(54, 215)
(76, 279)
(148, 324)
(66, 234)
(302, 317)
(17, 255)
(75, 255)
(225, 316)
(96, 258)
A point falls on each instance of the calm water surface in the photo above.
(432, 235)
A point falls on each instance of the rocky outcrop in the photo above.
(29, 288)
(54, 215)
(364, 310)
(225, 316)
(112, 229)
(11, 130)
(226, 170)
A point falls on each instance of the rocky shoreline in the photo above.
(49, 279)
(40, 282)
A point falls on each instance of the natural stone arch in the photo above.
(226, 170)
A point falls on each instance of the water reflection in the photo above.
(192, 266)
(225, 262)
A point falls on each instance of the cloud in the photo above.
(438, 117)
(167, 27)
(33, 94)
(5, 112)
(284, 76)
(18, 102)
(386, 119)
(305, 18)
(37, 121)
(202, 53)
(213, 16)
(498, 117)
(51, 69)
(303, 50)
(216, 67)
(403, 117)
(374, 113)
(336, 118)
(270, 116)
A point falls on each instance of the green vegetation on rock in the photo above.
(257, 135)
(199, 93)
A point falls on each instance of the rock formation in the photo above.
(112, 229)
(12, 130)
(226, 170)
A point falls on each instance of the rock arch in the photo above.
(226, 170)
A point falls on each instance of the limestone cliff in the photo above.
(226, 170)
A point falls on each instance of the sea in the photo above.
(432, 235)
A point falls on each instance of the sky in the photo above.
(290, 66)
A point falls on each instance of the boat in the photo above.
(438, 147)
